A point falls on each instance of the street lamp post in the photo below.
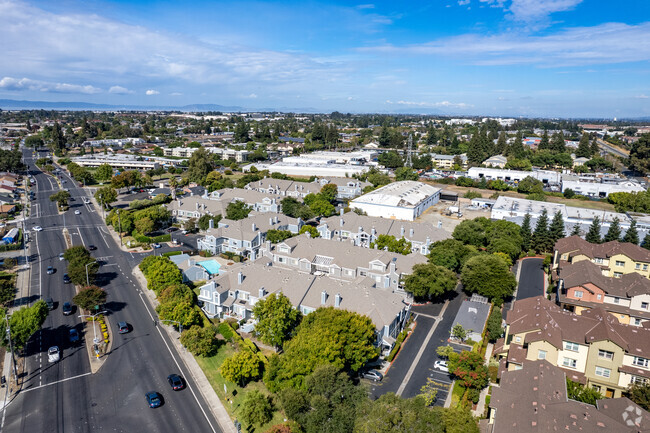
(11, 347)
(94, 330)
(180, 327)
(120, 222)
(87, 278)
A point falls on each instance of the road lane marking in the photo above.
(54, 383)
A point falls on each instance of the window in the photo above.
(603, 372)
(641, 362)
(637, 321)
(617, 275)
(605, 354)
(599, 296)
(517, 339)
(644, 305)
(637, 266)
(541, 354)
(598, 261)
(578, 293)
(620, 263)
(617, 300)
(568, 362)
(645, 267)
(638, 380)
(573, 347)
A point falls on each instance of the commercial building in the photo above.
(126, 162)
(405, 200)
(601, 189)
(304, 168)
(546, 176)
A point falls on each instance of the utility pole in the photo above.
(120, 222)
(11, 347)
(409, 161)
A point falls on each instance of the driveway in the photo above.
(531, 278)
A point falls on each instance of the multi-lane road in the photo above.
(65, 396)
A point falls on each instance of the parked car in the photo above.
(441, 365)
(154, 399)
(50, 270)
(77, 212)
(37, 228)
(176, 382)
(372, 375)
(53, 354)
(66, 279)
(91, 247)
(74, 335)
(122, 327)
(156, 245)
(61, 257)
(67, 308)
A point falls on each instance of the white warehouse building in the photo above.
(546, 176)
(601, 189)
(405, 200)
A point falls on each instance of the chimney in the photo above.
(360, 229)
(428, 240)
(341, 221)
(253, 256)
(240, 278)
(253, 227)
(393, 265)
(411, 233)
(271, 221)
(197, 206)
(337, 300)
(341, 211)
(401, 231)
(323, 297)
(268, 246)
(277, 220)
(373, 231)
(211, 223)
(261, 293)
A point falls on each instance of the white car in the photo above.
(61, 256)
(53, 354)
(77, 212)
(86, 201)
(441, 365)
(38, 229)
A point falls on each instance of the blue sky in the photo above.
(548, 58)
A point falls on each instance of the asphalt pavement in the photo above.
(65, 396)
(531, 278)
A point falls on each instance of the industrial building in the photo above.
(405, 200)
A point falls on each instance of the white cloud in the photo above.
(176, 94)
(18, 84)
(151, 92)
(119, 90)
(642, 96)
(535, 10)
(463, 2)
(252, 96)
(603, 44)
(442, 104)
(366, 6)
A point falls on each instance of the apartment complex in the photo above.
(594, 348)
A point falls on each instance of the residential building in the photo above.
(582, 285)
(230, 154)
(446, 162)
(342, 260)
(534, 399)
(580, 161)
(284, 187)
(180, 152)
(363, 230)
(496, 161)
(235, 293)
(216, 202)
(347, 187)
(472, 316)
(404, 200)
(244, 237)
(593, 348)
(601, 189)
(309, 168)
(614, 258)
(114, 142)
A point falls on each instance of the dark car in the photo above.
(67, 308)
(66, 278)
(74, 335)
(50, 303)
(92, 247)
(122, 327)
(154, 399)
(372, 375)
(176, 382)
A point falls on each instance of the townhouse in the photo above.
(363, 230)
(614, 258)
(346, 187)
(216, 202)
(342, 260)
(582, 285)
(593, 349)
(234, 294)
(244, 237)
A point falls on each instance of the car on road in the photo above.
(91, 247)
(122, 327)
(154, 399)
(441, 365)
(50, 303)
(176, 382)
(50, 270)
(37, 228)
(171, 229)
(67, 308)
(66, 279)
(156, 245)
(372, 375)
(61, 257)
(53, 354)
(77, 212)
(74, 335)
(86, 201)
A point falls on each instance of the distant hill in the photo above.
(11, 104)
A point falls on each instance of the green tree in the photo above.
(640, 394)
(502, 144)
(429, 281)
(163, 274)
(241, 132)
(200, 341)
(584, 147)
(472, 232)
(256, 409)
(544, 143)
(631, 235)
(329, 192)
(144, 225)
(309, 229)
(89, 297)
(24, 322)
(593, 235)
(390, 243)
(276, 319)
(392, 414)
(575, 391)
(237, 210)
(450, 253)
(459, 420)
(530, 185)
(614, 231)
(556, 228)
(488, 275)
(526, 236)
(104, 172)
(558, 144)
(516, 150)
(576, 230)
(199, 165)
(242, 367)
(541, 239)
(322, 207)
(183, 312)
(494, 326)
(274, 236)
(469, 369)
(61, 198)
(204, 221)
(646, 242)
(105, 196)
(569, 193)
(639, 159)
(406, 173)
(444, 351)
(459, 332)
(429, 391)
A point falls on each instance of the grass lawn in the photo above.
(235, 394)
(457, 394)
